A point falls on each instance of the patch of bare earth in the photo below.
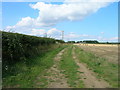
(88, 76)
(56, 79)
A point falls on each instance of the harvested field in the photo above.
(110, 52)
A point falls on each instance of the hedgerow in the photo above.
(19, 47)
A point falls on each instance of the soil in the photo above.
(57, 79)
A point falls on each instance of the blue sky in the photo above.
(101, 25)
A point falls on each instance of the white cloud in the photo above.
(91, 1)
(38, 32)
(57, 34)
(100, 38)
(114, 38)
(71, 35)
(51, 14)
(52, 33)
(27, 21)
(102, 32)
(79, 37)
(57, 0)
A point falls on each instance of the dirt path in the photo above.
(88, 77)
(57, 79)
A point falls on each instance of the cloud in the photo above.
(38, 32)
(114, 38)
(52, 33)
(51, 14)
(100, 38)
(102, 32)
(57, 34)
(78, 37)
(27, 21)
(58, 0)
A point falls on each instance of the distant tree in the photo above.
(79, 41)
(71, 42)
(90, 41)
(60, 41)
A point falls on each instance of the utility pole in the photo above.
(62, 35)
(45, 35)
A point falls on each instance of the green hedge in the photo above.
(19, 47)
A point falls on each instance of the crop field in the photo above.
(108, 51)
(107, 65)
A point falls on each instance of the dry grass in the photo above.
(107, 51)
(101, 45)
(106, 68)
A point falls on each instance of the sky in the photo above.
(79, 20)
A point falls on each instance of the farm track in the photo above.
(56, 79)
(87, 76)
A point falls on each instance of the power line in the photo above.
(62, 35)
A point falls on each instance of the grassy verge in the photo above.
(70, 69)
(30, 70)
(104, 69)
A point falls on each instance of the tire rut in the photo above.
(87, 76)
(57, 79)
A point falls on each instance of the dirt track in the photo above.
(88, 77)
(58, 79)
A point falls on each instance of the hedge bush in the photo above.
(19, 47)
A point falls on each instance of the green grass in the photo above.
(28, 72)
(70, 69)
(105, 70)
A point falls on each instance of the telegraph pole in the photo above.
(45, 35)
(62, 35)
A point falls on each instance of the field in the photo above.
(110, 52)
(58, 65)
(106, 56)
